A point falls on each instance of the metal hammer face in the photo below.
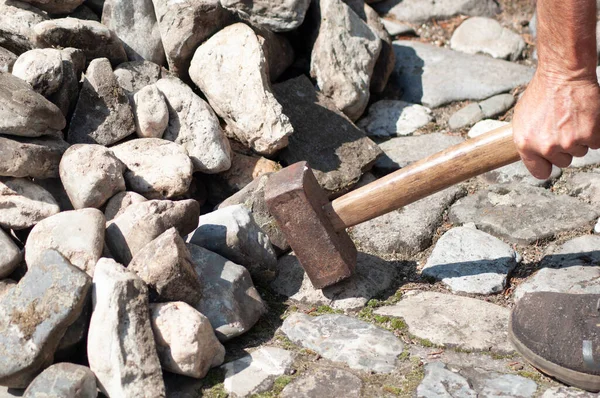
(296, 200)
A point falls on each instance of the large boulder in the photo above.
(31, 157)
(277, 16)
(16, 22)
(24, 203)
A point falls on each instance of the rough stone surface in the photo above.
(406, 230)
(168, 178)
(278, 51)
(65, 97)
(418, 11)
(256, 373)
(591, 158)
(103, 114)
(31, 157)
(10, 255)
(496, 105)
(6, 285)
(93, 38)
(343, 57)
(278, 16)
(233, 233)
(150, 112)
(396, 28)
(448, 320)
(471, 261)
(91, 175)
(465, 117)
(35, 315)
(41, 68)
(134, 76)
(63, 380)
(518, 173)
(522, 214)
(585, 185)
(78, 235)
(16, 22)
(7, 60)
(23, 203)
(394, 118)
(118, 203)
(194, 126)
(185, 340)
(485, 126)
(427, 74)
(341, 338)
(337, 151)
(231, 70)
(120, 347)
(229, 299)
(324, 383)
(566, 392)
(141, 223)
(487, 36)
(372, 277)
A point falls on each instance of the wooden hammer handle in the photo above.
(425, 177)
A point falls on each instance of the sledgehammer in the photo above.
(316, 228)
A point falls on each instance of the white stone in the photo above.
(518, 173)
(150, 112)
(277, 16)
(418, 11)
(42, 68)
(486, 35)
(118, 203)
(23, 203)
(485, 126)
(395, 28)
(10, 255)
(394, 118)
(591, 158)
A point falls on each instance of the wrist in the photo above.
(552, 74)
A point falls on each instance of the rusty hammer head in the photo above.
(296, 200)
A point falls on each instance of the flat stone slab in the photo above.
(341, 338)
(427, 74)
(518, 173)
(585, 186)
(419, 11)
(324, 383)
(522, 214)
(394, 118)
(479, 35)
(448, 321)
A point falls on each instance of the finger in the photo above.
(578, 151)
(539, 167)
(560, 159)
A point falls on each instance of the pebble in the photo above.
(23, 203)
(118, 203)
(485, 126)
(324, 383)
(389, 118)
(447, 320)
(41, 68)
(31, 157)
(337, 151)
(135, 75)
(417, 11)
(471, 261)
(185, 341)
(150, 112)
(465, 117)
(256, 372)
(280, 16)
(7, 60)
(16, 22)
(91, 174)
(426, 74)
(78, 235)
(396, 28)
(35, 315)
(497, 105)
(10, 255)
(585, 185)
(240, 93)
(63, 380)
(120, 346)
(480, 35)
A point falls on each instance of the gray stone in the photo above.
(72, 343)
(471, 261)
(56, 189)
(78, 235)
(585, 185)
(41, 68)
(518, 173)
(7, 60)
(168, 178)
(394, 118)
(324, 383)
(150, 112)
(31, 157)
(165, 264)
(135, 24)
(256, 373)
(91, 174)
(497, 105)
(485, 126)
(35, 315)
(402, 151)
(341, 338)
(277, 16)
(439, 382)
(577, 251)
(522, 214)
(194, 126)
(56, 6)
(134, 76)
(23, 112)
(65, 380)
(343, 57)
(23, 203)
(567, 392)
(229, 299)
(233, 233)
(185, 340)
(591, 158)
(337, 151)
(103, 114)
(141, 223)
(16, 22)
(240, 93)
(6, 285)
(418, 11)
(118, 203)
(407, 230)
(121, 349)
(10, 255)
(466, 117)
(427, 74)
(65, 97)
(479, 35)
(397, 29)
(372, 277)
(85, 12)
(447, 320)
(278, 51)
(82, 34)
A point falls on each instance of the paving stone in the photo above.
(31, 157)
(591, 158)
(371, 277)
(41, 68)
(324, 383)
(277, 16)
(63, 380)
(337, 151)
(585, 185)
(418, 11)
(493, 384)
(23, 203)
(471, 261)
(16, 22)
(517, 173)
(7, 60)
(485, 126)
(35, 315)
(465, 117)
(256, 373)
(10, 255)
(118, 203)
(341, 338)
(150, 112)
(497, 105)
(567, 392)
(486, 36)
(426, 74)
(447, 320)
(135, 75)
(394, 118)
(409, 229)
(439, 381)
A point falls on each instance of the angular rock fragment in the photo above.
(486, 35)
(121, 348)
(278, 51)
(10, 255)
(63, 380)
(194, 126)
(35, 315)
(118, 203)
(418, 11)
(91, 175)
(185, 340)
(7, 60)
(277, 16)
(23, 203)
(238, 88)
(135, 75)
(150, 112)
(155, 180)
(41, 68)
(78, 235)
(17, 20)
(103, 114)
(394, 118)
